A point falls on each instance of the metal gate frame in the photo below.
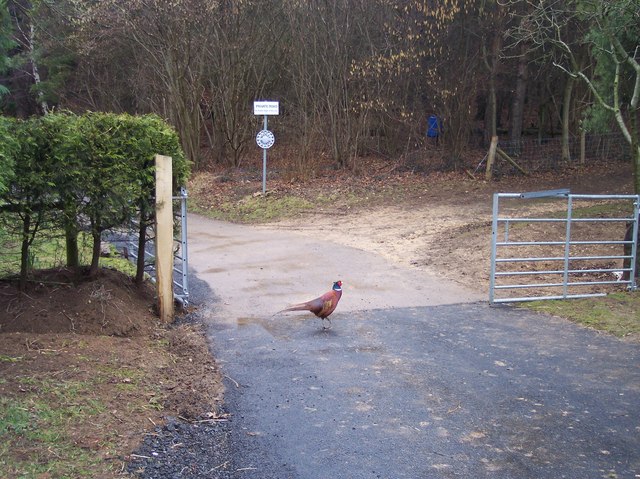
(567, 243)
(180, 255)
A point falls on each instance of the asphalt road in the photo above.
(442, 386)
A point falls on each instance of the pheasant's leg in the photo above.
(328, 321)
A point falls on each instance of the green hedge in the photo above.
(8, 150)
(94, 171)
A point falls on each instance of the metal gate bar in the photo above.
(180, 256)
(183, 256)
(566, 244)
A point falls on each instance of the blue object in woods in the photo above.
(433, 127)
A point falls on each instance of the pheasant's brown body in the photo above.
(322, 306)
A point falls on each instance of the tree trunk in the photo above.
(635, 147)
(566, 116)
(44, 107)
(24, 251)
(635, 151)
(142, 244)
(71, 242)
(95, 254)
(491, 114)
(71, 236)
(517, 106)
(492, 62)
(491, 156)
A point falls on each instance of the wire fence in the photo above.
(531, 154)
(546, 154)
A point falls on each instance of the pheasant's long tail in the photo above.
(295, 307)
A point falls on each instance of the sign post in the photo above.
(265, 138)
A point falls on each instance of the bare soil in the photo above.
(67, 329)
(103, 333)
(442, 222)
(445, 227)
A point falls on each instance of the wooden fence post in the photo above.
(164, 237)
(512, 162)
(491, 157)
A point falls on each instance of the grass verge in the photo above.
(256, 209)
(35, 434)
(61, 400)
(74, 406)
(240, 201)
(617, 313)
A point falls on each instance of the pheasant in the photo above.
(322, 306)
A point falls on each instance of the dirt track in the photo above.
(257, 271)
(444, 226)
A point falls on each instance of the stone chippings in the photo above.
(183, 450)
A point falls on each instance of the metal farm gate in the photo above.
(584, 251)
(180, 250)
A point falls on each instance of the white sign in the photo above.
(266, 107)
(265, 139)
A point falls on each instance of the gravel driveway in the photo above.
(417, 377)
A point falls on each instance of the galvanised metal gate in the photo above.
(180, 255)
(574, 255)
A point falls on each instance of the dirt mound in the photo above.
(110, 304)
(94, 353)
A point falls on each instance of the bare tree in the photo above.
(433, 63)
(519, 97)
(611, 31)
(27, 74)
(168, 44)
(327, 38)
(245, 55)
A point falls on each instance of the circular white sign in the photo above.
(265, 139)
